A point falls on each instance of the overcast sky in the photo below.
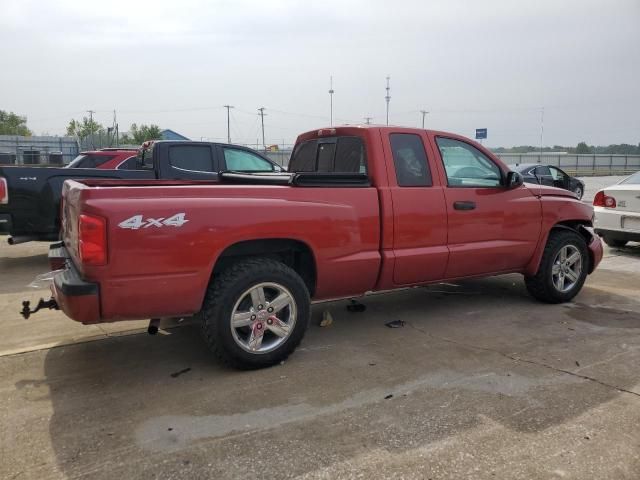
(471, 64)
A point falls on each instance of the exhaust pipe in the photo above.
(152, 329)
(17, 240)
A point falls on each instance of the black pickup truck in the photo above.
(30, 196)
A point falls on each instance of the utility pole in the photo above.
(228, 107)
(388, 97)
(114, 128)
(367, 120)
(262, 114)
(91, 112)
(541, 132)
(424, 114)
(331, 99)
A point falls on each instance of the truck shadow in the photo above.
(468, 352)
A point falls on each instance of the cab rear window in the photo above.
(335, 154)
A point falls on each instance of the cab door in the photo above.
(491, 228)
(419, 211)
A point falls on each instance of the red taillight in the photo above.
(92, 240)
(4, 191)
(602, 200)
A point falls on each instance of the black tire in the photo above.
(614, 243)
(579, 191)
(227, 289)
(541, 285)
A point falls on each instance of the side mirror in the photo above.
(514, 180)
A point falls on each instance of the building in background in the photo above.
(168, 134)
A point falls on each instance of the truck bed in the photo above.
(341, 225)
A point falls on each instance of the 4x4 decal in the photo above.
(138, 221)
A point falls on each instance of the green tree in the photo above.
(583, 148)
(12, 124)
(84, 128)
(142, 133)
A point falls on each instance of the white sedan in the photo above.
(617, 212)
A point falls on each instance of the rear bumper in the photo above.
(6, 224)
(625, 235)
(79, 300)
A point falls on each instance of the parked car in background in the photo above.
(549, 175)
(617, 212)
(105, 159)
(361, 209)
(30, 196)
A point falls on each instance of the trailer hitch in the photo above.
(51, 304)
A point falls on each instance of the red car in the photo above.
(105, 159)
(360, 209)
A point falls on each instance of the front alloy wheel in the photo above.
(567, 268)
(563, 267)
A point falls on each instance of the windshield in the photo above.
(633, 179)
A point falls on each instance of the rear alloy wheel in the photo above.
(255, 313)
(579, 192)
(263, 318)
(614, 243)
(563, 268)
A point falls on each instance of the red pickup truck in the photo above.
(360, 209)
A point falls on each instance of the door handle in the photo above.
(464, 205)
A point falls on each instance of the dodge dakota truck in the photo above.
(30, 196)
(360, 209)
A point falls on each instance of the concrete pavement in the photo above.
(482, 382)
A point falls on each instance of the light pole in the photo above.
(387, 98)
(331, 100)
(262, 114)
(228, 107)
(424, 114)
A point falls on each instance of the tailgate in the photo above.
(71, 206)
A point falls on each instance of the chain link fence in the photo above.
(18, 150)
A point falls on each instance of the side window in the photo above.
(196, 158)
(543, 171)
(243, 161)
(466, 166)
(557, 174)
(129, 164)
(410, 160)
